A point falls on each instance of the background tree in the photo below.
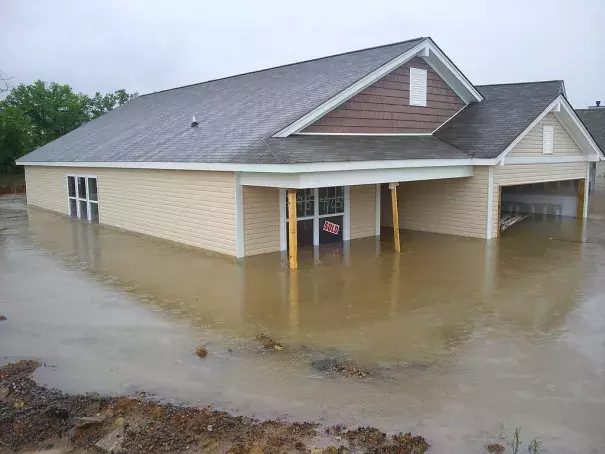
(33, 115)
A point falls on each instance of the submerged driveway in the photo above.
(461, 335)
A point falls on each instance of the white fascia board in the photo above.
(549, 159)
(451, 75)
(426, 49)
(272, 168)
(355, 177)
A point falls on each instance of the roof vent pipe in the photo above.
(193, 122)
(598, 103)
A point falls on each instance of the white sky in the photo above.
(144, 45)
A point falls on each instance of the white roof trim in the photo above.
(273, 168)
(446, 70)
(569, 120)
(315, 166)
(450, 74)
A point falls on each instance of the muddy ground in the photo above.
(33, 417)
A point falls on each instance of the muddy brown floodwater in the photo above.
(458, 336)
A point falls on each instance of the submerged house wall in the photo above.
(454, 206)
(196, 208)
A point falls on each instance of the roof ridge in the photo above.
(284, 65)
(522, 83)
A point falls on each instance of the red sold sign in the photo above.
(330, 227)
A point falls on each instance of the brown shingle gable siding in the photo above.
(384, 107)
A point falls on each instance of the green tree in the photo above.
(33, 115)
(16, 137)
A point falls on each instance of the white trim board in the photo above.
(426, 49)
(340, 178)
(303, 168)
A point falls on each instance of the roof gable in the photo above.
(486, 129)
(384, 107)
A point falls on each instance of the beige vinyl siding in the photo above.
(531, 143)
(509, 175)
(196, 208)
(47, 188)
(454, 206)
(362, 206)
(261, 220)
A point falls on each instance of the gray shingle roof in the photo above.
(306, 149)
(485, 129)
(594, 120)
(235, 114)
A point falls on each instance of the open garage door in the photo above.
(553, 198)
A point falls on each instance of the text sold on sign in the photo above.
(330, 227)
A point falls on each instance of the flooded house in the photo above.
(323, 151)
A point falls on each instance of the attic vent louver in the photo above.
(193, 122)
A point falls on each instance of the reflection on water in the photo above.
(462, 334)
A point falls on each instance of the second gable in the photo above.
(384, 107)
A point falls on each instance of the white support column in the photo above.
(586, 191)
(239, 217)
(283, 242)
(490, 204)
(346, 235)
(315, 218)
(378, 209)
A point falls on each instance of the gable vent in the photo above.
(417, 87)
(548, 139)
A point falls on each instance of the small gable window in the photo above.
(548, 139)
(417, 87)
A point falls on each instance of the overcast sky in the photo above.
(145, 45)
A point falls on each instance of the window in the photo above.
(418, 87)
(82, 197)
(320, 214)
(548, 139)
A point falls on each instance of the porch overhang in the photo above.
(352, 177)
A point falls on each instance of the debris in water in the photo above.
(345, 368)
(201, 351)
(407, 443)
(495, 448)
(268, 343)
(2, 318)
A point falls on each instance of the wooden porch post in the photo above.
(292, 230)
(581, 198)
(393, 188)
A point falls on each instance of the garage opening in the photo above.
(552, 198)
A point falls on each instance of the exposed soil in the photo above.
(35, 417)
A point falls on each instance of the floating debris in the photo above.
(495, 448)
(268, 343)
(201, 351)
(344, 367)
(2, 318)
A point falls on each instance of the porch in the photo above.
(288, 212)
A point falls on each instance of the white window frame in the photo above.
(79, 199)
(545, 130)
(416, 73)
(315, 217)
